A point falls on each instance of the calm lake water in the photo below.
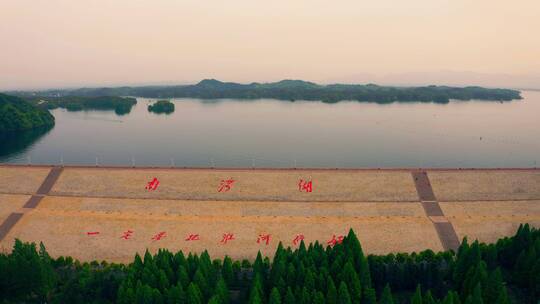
(271, 133)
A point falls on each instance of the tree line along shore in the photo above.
(292, 90)
(21, 112)
(507, 271)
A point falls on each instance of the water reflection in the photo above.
(15, 143)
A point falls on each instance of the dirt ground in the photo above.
(248, 185)
(11, 203)
(61, 222)
(23, 180)
(485, 185)
(488, 221)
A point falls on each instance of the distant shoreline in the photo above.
(291, 90)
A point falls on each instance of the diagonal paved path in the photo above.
(49, 181)
(8, 223)
(32, 203)
(445, 229)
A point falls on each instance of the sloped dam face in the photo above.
(111, 213)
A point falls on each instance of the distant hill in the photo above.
(17, 114)
(296, 90)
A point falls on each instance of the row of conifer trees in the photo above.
(504, 272)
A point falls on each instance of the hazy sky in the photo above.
(49, 43)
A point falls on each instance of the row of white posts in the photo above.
(212, 163)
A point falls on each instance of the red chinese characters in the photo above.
(335, 240)
(159, 236)
(127, 234)
(92, 233)
(263, 238)
(193, 237)
(298, 239)
(227, 237)
(306, 186)
(152, 185)
(226, 185)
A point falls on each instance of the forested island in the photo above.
(17, 114)
(121, 105)
(501, 273)
(292, 90)
(161, 106)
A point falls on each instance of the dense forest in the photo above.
(161, 106)
(295, 90)
(17, 115)
(121, 105)
(505, 272)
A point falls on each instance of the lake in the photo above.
(272, 133)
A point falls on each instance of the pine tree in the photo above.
(183, 276)
(364, 274)
(476, 275)
(125, 293)
(417, 297)
(468, 256)
(318, 298)
(137, 264)
(428, 298)
(222, 291)
(305, 296)
(194, 295)
(175, 294)
(147, 257)
(289, 297)
(279, 269)
(449, 299)
(255, 297)
(331, 294)
(493, 286)
(275, 297)
(477, 295)
(163, 281)
(386, 296)
(129, 296)
(144, 295)
(227, 271)
(349, 275)
(524, 264)
(202, 283)
(291, 275)
(503, 297)
(343, 294)
(256, 288)
(47, 274)
(535, 277)
(309, 280)
(369, 296)
(157, 298)
(214, 300)
(258, 264)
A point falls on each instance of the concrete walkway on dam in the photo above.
(93, 213)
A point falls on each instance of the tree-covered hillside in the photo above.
(161, 106)
(17, 114)
(505, 272)
(121, 105)
(296, 90)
